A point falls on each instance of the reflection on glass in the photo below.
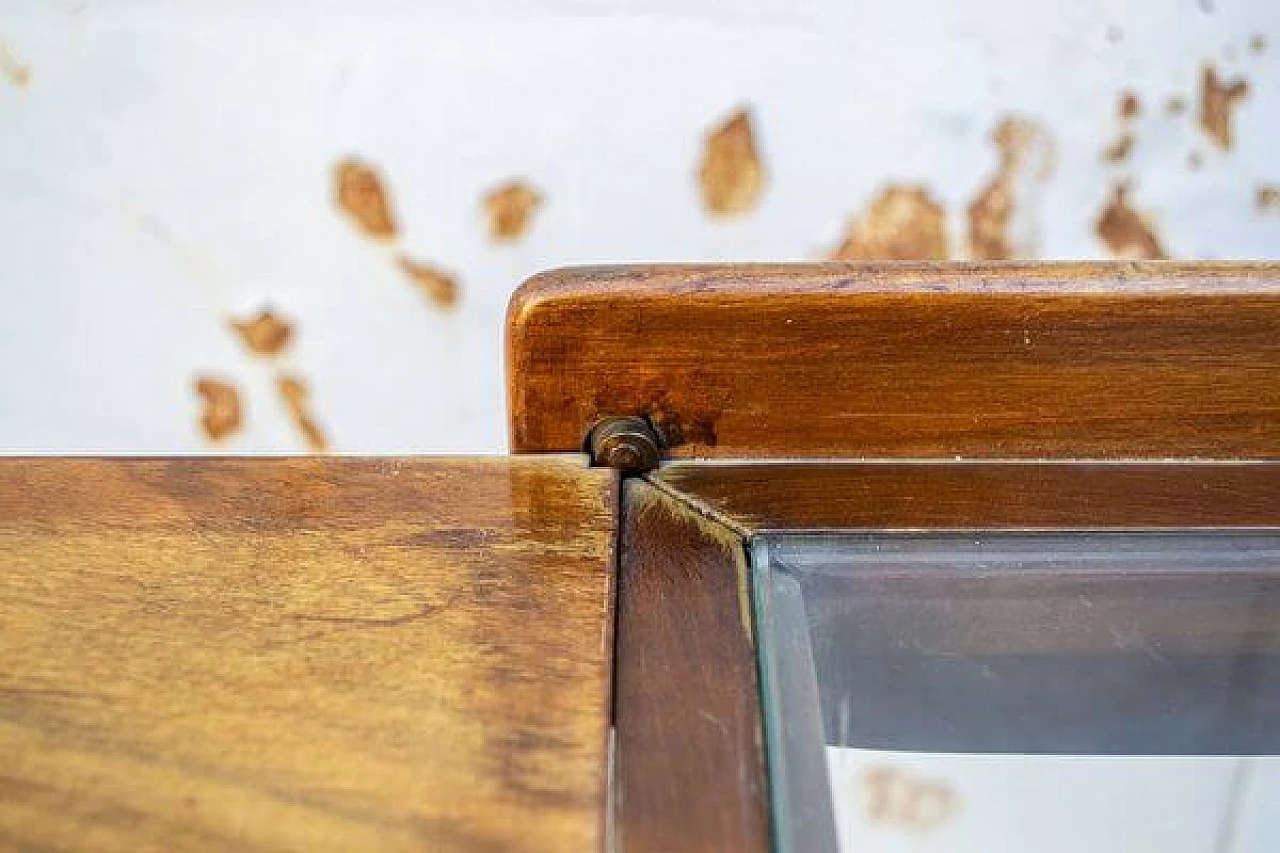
(1022, 691)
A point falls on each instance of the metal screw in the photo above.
(626, 443)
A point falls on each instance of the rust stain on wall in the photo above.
(903, 223)
(1119, 151)
(1126, 232)
(1218, 99)
(17, 73)
(221, 414)
(1266, 198)
(295, 393)
(1001, 224)
(510, 208)
(360, 192)
(893, 795)
(1129, 107)
(265, 333)
(438, 286)
(731, 175)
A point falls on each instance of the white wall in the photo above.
(963, 803)
(170, 162)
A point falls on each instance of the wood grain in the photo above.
(689, 756)
(304, 654)
(981, 495)
(1111, 360)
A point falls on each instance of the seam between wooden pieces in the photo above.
(703, 508)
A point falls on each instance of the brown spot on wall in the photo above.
(1218, 99)
(510, 209)
(1176, 105)
(1266, 198)
(1126, 232)
(221, 413)
(295, 393)
(1129, 106)
(1258, 44)
(903, 223)
(360, 192)
(438, 286)
(894, 795)
(1119, 151)
(17, 73)
(1001, 217)
(731, 175)
(266, 333)
(989, 216)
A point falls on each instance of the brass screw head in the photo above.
(626, 443)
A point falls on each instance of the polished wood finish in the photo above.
(689, 771)
(304, 654)
(1112, 360)
(980, 495)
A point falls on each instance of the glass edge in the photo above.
(799, 792)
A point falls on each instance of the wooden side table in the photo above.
(810, 483)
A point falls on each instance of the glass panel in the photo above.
(1022, 691)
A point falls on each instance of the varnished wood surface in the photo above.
(689, 759)
(304, 654)
(981, 495)
(1114, 360)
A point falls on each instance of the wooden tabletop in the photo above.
(304, 654)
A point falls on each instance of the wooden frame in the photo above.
(1052, 382)
(689, 754)
(361, 578)
(755, 499)
(688, 762)
(1107, 360)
